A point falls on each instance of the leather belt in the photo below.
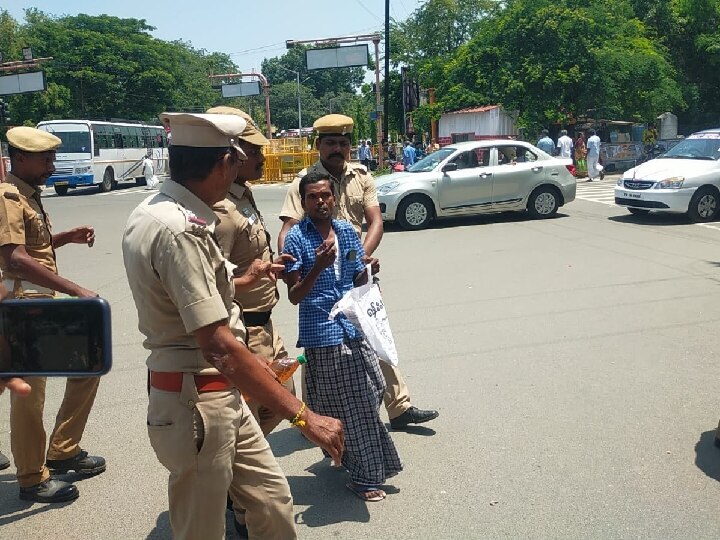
(171, 381)
(256, 318)
(19, 286)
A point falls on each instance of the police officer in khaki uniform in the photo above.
(357, 200)
(245, 242)
(200, 428)
(27, 260)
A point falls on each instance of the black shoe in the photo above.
(413, 416)
(51, 490)
(81, 464)
(241, 529)
(4, 462)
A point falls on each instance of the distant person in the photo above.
(545, 143)
(565, 145)
(409, 154)
(580, 156)
(364, 154)
(151, 180)
(343, 377)
(593, 157)
(29, 267)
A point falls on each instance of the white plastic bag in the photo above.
(363, 306)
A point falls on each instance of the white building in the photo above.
(476, 123)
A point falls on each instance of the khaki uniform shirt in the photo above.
(356, 192)
(243, 238)
(178, 276)
(23, 221)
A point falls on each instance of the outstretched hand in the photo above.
(15, 385)
(84, 234)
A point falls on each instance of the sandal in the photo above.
(366, 493)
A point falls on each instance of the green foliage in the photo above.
(552, 61)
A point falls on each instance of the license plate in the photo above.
(60, 184)
(627, 195)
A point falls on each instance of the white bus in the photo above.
(104, 153)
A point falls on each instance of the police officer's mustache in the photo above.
(337, 155)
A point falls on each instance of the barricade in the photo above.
(284, 158)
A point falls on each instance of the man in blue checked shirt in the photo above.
(343, 376)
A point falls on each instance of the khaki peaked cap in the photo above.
(205, 130)
(29, 139)
(334, 124)
(252, 133)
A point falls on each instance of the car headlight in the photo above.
(387, 188)
(675, 182)
(83, 169)
(621, 180)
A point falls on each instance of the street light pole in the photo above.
(297, 75)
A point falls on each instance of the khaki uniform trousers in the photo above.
(27, 436)
(396, 397)
(266, 342)
(212, 445)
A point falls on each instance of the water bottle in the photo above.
(285, 367)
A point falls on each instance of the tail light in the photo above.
(571, 169)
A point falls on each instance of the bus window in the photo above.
(118, 137)
(136, 137)
(95, 142)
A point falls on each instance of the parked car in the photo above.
(684, 179)
(477, 177)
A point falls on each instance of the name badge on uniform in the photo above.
(251, 217)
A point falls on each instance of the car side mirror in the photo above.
(450, 167)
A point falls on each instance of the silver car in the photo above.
(477, 177)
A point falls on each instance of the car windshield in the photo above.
(695, 148)
(429, 162)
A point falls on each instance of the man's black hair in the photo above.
(13, 151)
(591, 132)
(313, 178)
(321, 136)
(193, 163)
(544, 133)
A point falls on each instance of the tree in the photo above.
(550, 61)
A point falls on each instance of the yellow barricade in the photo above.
(284, 158)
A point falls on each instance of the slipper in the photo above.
(366, 493)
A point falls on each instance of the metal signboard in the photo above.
(21, 83)
(337, 57)
(241, 89)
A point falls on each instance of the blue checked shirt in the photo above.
(315, 330)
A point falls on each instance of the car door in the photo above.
(466, 182)
(516, 173)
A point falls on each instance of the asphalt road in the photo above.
(572, 362)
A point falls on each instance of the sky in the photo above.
(247, 31)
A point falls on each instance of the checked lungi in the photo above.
(344, 381)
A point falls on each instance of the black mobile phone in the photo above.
(55, 337)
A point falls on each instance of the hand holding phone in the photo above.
(61, 337)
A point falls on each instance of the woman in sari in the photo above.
(580, 156)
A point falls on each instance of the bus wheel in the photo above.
(108, 181)
(61, 190)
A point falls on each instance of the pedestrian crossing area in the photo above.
(602, 192)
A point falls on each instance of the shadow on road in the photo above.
(469, 221)
(415, 430)
(327, 498)
(707, 455)
(162, 529)
(655, 219)
(287, 441)
(12, 509)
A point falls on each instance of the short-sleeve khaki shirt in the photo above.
(178, 276)
(243, 238)
(23, 221)
(356, 192)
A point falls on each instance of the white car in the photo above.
(477, 177)
(685, 179)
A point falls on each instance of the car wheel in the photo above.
(108, 181)
(704, 205)
(543, 202)
(61, 190)
(415, 212)
(638, 211)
